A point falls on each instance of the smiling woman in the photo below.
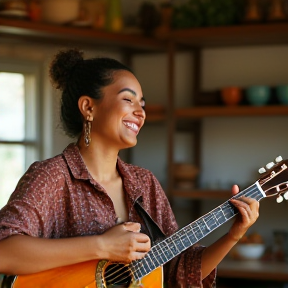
(87, 190)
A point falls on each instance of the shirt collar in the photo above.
(127, 171)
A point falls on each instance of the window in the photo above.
(19, 137)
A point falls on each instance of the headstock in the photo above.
(274, 179)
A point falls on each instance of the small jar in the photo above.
(114, 20)
(276, 11)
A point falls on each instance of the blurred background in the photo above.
(214, 74)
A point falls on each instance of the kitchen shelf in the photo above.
(256, 34)
(253, 269)
(226, 111)
(240, 35)
(202, 194)
(20, 30)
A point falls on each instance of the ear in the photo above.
(86, 105)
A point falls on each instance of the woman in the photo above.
(89, 191)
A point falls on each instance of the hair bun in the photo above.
(62, 66)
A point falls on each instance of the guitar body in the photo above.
(89, 274)
(106, 274)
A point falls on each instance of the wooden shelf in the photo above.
(226, 111)
(24, 30)
(260, 270)
(202, 194)
(257, 34)
(240, 35)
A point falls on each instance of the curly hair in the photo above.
(75, 77)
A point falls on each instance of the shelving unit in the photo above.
(240, 35)
(255, 269)
(27, 31)
(233, 111)
(195, 40)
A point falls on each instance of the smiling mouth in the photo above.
(134, 127)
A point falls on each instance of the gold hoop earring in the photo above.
(87, 132)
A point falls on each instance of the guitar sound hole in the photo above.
(117, 275)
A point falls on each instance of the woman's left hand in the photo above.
(248, 213)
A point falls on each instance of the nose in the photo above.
(140, 112)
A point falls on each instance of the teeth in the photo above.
(133, 126)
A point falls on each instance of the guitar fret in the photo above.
(208, 228)
(196, 239)
(169, 250)
(151, 265)
(160, 256)
(143, 266)
(197, 230)
(155, 258)
(172, 246)
(215, 217)
(210, 223)
(184, 240)
(176, 242)
(188, 237)
(163, 253)
(223, 213)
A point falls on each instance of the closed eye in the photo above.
(142, 103)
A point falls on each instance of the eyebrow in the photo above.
(131, 91)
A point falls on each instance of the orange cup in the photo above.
(231, 96)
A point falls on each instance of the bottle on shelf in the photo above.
(114, 19)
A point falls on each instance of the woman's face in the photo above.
(120, 114)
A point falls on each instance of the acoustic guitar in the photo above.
(147, 272)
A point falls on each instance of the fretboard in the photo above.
(184, 238)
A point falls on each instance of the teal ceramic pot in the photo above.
(258, 95)
(282, 94)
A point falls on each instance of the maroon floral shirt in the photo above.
(58, 198)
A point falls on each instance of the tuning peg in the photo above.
(262, 170)
(270, 165)
(278, 159)
(279, 199)
(286, 195)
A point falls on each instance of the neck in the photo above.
(100, 161)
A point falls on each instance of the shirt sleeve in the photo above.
(185, 269)
(29, 206)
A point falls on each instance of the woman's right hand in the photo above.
(124, 243)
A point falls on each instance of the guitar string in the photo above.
(114, 280)
(138, 263)
(122, 266)
(224, 205)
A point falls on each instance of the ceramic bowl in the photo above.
(59, 11)
(231, 96)
(282, 94)
(251, 251)
(258, 95)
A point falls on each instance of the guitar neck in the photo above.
(184, 238)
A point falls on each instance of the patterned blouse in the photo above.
(58, 198)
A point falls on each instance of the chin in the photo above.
(130, 144)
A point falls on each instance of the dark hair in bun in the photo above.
(76, 77)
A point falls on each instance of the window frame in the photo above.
(32, 75)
